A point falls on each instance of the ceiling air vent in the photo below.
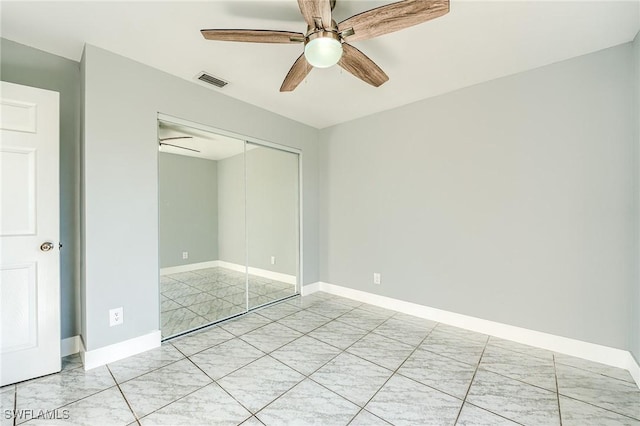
(209, 79)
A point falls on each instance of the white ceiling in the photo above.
(477, 41)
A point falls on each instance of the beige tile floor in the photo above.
(326, 360)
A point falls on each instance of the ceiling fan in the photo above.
(326, 43)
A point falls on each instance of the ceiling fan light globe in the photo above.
(323, 52)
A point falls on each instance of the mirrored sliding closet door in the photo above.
(229, 225)
(272, 223)
(202, 228)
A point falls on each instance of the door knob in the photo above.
(46, 246)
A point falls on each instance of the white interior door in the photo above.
(29, 233)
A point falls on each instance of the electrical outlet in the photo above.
(116, 317)
(185, 254)
(376, 278)
(273, 260)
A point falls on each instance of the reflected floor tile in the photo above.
(179, 320)
(338, 334)
(453, 347)
(403, 401)
(226, 312)
(226, 357)
(144, 362)
(106, 408)
(594, 367)
(260, 382)
(381, 350)
(304, 321)
(153, 390)
(519, 347)
(245, 324)
(517, 365)
(444, 374)
(352, 377)
(402, 331)
(577, 413)
(164, 279)
(255, 300)
(308, 403)
(475, 416)
(201, 340)
(513, 399)
(183, 276)
(71, 361)
(365, 418)
(210, 307)
(612, 394)
(169, 284)
(184, 290)
(167, 304)
(278, 311)
(270, 337)
(193, 299)
(209, 405)
(305, 354)
(56, 390)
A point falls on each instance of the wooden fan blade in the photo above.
(253, 36)
(312, 9)
(296, 74)
(359, 64)
(392, 17)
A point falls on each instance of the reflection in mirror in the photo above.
(273, 223)
(202, 228)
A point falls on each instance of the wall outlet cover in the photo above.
(376, 278)
(116, 316)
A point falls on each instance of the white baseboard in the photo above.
(189, 267)
(117, 351)
(70, 346)
(590, 351)
(308, 289)
(634, 368)
(263, 273)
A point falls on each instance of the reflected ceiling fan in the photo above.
(163, 141)
(326, 43)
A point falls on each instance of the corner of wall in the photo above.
(635, 329)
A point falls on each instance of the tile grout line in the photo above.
(135, 416)
(393, 373)
(471, 382)
(555, 374)
(213, 381)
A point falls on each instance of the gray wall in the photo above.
(271, 209)
(122, 99)
(188, 203)
(510, 201)
(25, 65)
(635, 331)
(231, 210)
